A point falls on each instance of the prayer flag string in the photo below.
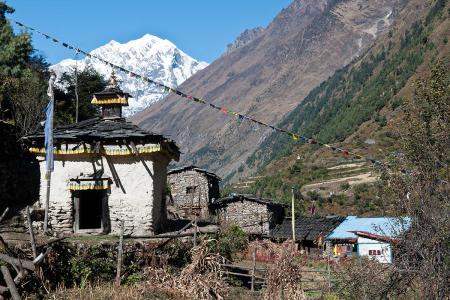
(240, 116)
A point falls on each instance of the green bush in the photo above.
(345, 186)
(231, 241)
(313, 195)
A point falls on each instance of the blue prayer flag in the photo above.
(48, 130)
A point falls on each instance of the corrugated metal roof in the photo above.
(383, 226)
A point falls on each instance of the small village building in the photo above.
(365, 237)
(254, 215)
(192, 190)
(310, 232)
(106, 170)
(375, 246)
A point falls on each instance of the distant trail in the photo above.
(346, 166)
(352, 180)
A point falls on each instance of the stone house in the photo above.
(106, 170)
(192, 190)
(254, 215)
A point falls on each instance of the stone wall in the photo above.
(206, 188)
(252, 217)
(141, 206)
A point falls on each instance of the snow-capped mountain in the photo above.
(151, 56)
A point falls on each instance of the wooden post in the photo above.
(10, 283)
(119, 254)
(195, 231)
(4, 214)
(329, 274)
(76, 87)
(253, 269)
(17, 262)
(30, 228)
(47, 201)
(293, 215)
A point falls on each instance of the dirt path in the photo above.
(346, 166)
(352, 180)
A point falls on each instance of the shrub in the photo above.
(345, 186)
(231, 241)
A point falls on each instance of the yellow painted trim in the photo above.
(108, 151)
(119, 100)
(74, 186)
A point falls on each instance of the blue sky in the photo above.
(201, 28)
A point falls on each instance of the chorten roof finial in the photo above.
(112, 98)
(113, 80)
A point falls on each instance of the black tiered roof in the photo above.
(111, 131)
(111, 90)
(194, 168)
(307, 228)
(238, 197)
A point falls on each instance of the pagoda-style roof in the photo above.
(112, 94)
(111, 131)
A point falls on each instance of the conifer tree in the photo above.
(22, 77)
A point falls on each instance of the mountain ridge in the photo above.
(265, 78)
(359, 108)
(151, 56)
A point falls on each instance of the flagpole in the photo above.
(49, 146)
(47, 201)
(293, 215)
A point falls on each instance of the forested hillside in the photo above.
(359, 107)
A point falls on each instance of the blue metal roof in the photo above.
(389, 227)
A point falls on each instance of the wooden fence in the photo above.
(257, 275)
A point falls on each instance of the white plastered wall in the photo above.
(365, 245)
(140, 207)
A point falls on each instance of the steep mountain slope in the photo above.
(267, 77)
(357, 93)
(150, 56)
(244, 38)
(359, 107)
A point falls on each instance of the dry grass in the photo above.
(283, 278)
(201, 277)
(109, 292)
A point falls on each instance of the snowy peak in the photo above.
(151, 56)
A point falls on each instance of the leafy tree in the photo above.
(422, 193)
(86, 82)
